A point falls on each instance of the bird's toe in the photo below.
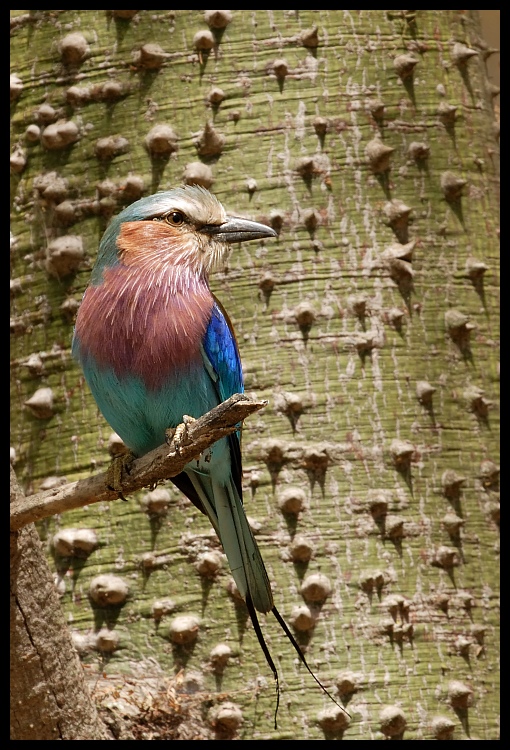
(115, 473)
(176, 437)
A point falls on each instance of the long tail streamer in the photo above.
(263, 645)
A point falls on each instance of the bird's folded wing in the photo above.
(226, 513)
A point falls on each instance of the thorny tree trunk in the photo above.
(49, 697)
(371, 326)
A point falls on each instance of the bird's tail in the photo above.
(224, 507)
(226, 513)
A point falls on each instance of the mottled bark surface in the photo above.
(368, 140)
(49, 696)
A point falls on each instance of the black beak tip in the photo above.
(239, 230)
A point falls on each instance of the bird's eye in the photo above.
(175, 218)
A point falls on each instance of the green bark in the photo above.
(336, 323)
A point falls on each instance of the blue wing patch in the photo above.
(220, 346)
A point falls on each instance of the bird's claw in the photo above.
(115, 472)
(176, 437)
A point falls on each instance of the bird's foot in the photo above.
(176, 437)
(115, 472)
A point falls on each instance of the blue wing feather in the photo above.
(223, 362)
(220, 346)
(222, 500)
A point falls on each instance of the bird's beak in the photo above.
(238, 230)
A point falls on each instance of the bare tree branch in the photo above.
(161, 463)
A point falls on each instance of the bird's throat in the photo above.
(150, 328)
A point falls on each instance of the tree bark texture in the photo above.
(371, 326)
(49, 696)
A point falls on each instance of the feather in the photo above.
(155, 344)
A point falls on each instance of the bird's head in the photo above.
(186, 225)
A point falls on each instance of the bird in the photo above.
(156, 346)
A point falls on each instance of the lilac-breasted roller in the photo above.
(155, 344)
